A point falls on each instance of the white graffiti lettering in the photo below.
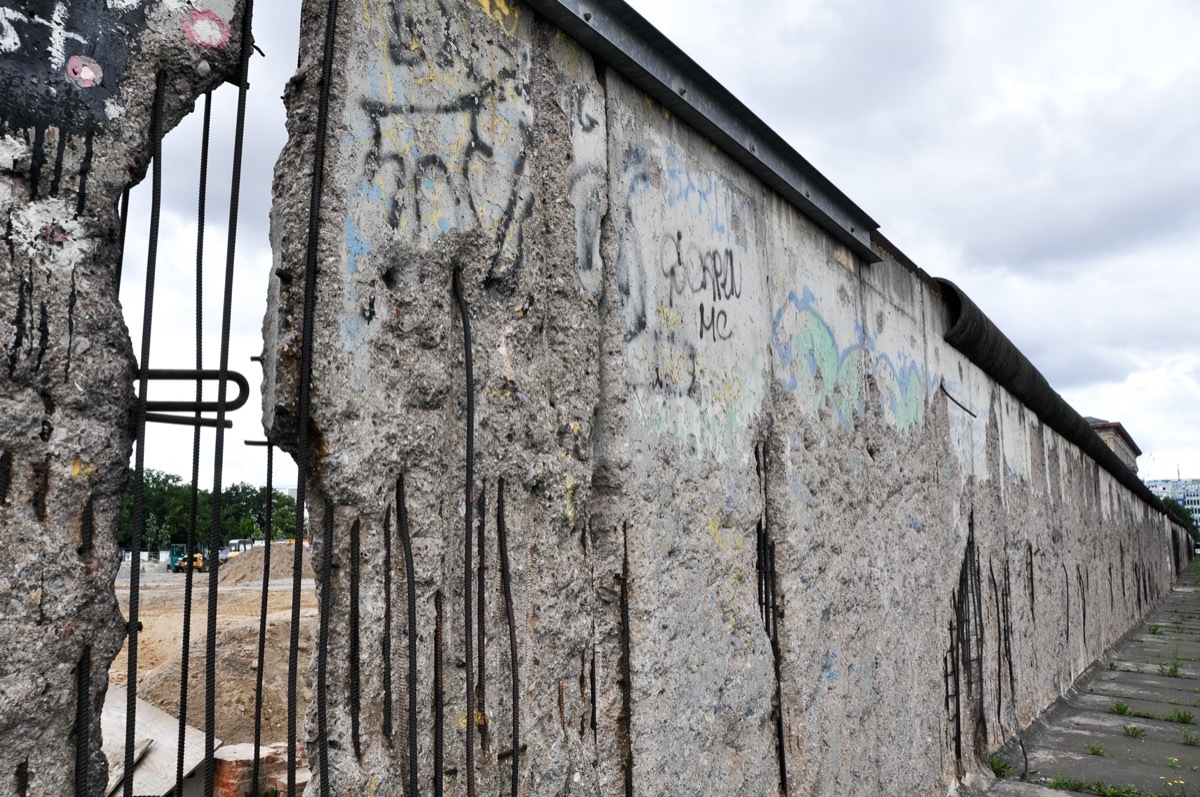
(59, 35)
(10, 42)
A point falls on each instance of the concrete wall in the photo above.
(763, 524)
(77, 84)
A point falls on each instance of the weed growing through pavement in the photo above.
(1124, 710)
(1173, 763)
(1169, 670)
(1096, 749)
(1135, 732)
(1001, 767)
(1190, 738)
(1099, 787)
(1182, 717)
(1155, 630)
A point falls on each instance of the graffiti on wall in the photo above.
(707, 276)
(587, 180)
(62, 61)
(688, 311)
(709, 197)
(440, 138)
(811, 361)
(445, 129)
(507, 14)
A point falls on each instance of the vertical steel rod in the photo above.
(469, 490)
(411, 607)
(509, 613)
(185, 642)
(214, 544)
(139, 476)
(268, 521)
(305, 386)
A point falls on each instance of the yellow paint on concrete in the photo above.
(502, 12)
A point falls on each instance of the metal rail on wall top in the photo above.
(628, 43)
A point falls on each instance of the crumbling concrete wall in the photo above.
(77, 85)
(766, 530)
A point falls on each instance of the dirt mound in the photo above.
(248, 565)
(236, 663)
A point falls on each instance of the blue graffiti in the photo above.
(706, 195)
(810, 355)
(635, 172)
(809, 351)
(356, 246)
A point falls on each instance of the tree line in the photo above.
(1183, 516)
(168, 513)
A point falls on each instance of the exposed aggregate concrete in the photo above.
(765, 526)
(66, 364)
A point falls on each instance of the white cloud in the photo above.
(169, 447)
(1041, 155)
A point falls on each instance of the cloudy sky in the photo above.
(1043, 155)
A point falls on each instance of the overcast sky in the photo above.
(1043, 155)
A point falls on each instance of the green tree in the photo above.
(241, 512)
(167, 502)
(283, 516)
(168, 509)
(244, 509)
(1183, 517)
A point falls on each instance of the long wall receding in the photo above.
(740, 520)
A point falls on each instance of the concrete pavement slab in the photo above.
(1130, 725)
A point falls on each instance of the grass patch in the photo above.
(1169, 670)
(1097, 787)
(1182, 717)
(1001, 767)
(1124, 710)
(1134, 732)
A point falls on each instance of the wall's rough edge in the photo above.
(763, 522)
(76, 96)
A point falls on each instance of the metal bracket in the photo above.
(154, 409)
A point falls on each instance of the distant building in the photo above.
(1115, 437)
(1185, 491)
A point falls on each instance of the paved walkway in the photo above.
(1130, 726)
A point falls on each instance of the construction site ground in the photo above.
(239, 602)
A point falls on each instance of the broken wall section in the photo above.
(763, 531)
(77, 96)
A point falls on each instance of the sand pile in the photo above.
(248, 565)
(237, 660)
